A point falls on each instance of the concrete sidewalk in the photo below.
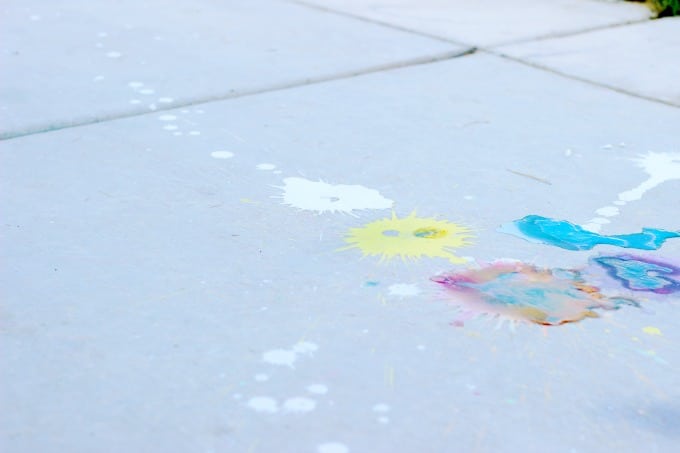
(190, 190)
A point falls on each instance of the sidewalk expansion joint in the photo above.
(233, 94)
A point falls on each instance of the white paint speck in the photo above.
(146, 91)
(170, 127)
(135, 85)
(167, 118)
(420, 347)
(194, 132)
(299, 405)
(265, 166)
(332, 447)
(568, 152)
(403, 290)
(607, 146)
(383, 420)
(261, 377)
(35, 17)
(381, 407)
(98, 78)
(263, 404)
(285, 357)
(135, 101)
(322, 197)
(177, 133)
(468, 197)
(153, 107)
(222, 154)
(165, 100)
(102, 34)
(114, 54)
(305, 347)
(318, 389)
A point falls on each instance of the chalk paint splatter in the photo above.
(661, 167)
(288, 357)
(641, 274)
(410, 237)
(403, 290)
(522, 292)
(323, 197)
(567, 235)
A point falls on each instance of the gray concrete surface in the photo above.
(160, 295)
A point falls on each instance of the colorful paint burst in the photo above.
(410, 237)
(566, 235)
(522, 292)
(641, 274)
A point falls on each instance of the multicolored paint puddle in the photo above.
(410, 237)
(522, 292)
(564, 234)
(641, 274)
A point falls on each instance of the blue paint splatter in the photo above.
(642, 274)
(567, 235)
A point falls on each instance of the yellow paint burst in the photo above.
(650, 330)
(410, 237)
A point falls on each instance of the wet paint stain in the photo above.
(322, 197)
(641, 274)
(566, 235)
(411, 238)
(523, 292)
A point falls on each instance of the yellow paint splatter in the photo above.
(410, 237)
(650, 330)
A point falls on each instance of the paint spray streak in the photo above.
(410, 237)
(661, 167)
(567, 235)
(641, 274)
(522, 292)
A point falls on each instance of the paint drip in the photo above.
(410, 238)
(521, 292)
(661, 168)
(567, 235)
(641, 274)
(322, 197)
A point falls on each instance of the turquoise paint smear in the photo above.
(641, 274)
(567, 235)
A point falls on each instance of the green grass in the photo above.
(667, 7)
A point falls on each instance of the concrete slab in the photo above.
(160, 296)
(494, 22)
(640, 58)
(73, 61)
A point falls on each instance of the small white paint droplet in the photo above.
(222, 154)
(135, 101)
(332, 447)
(194, 132)
(265, 166)
(607, 147)
(102, 34)
(284, 357)
(420, 347)
(167, 117)
(568, 152)
(468, 197)
(34, 17)
(381, 407)
(263, 404)
(153, 107)
(319, 389)
(177, 133)
(114, 54)
(299, 404)
(170, 127)
(165, 100)
(305, 347)
(135, 85)
(146, 91)
(384, 420)
(98, 78)
(403, 290)
(261, 377)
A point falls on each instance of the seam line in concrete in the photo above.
(55, 126)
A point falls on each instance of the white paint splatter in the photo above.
(146, 91)
(265, 166)
(318, 389)
(469, 197)
(332, 447)
(322, 197)
(261, 377)
(222, 154)
(384, 420)
(299, 405)
(403, 290)
(661, 168)
(194, 133)
(114, 54)
(135, 101)
(170, 127)
(381, 407)
(263, 404)
(166, 100)
(287, 357)
(135, 85)
(177, 133)
(102, 34)
(167, 118)
(98, 78)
